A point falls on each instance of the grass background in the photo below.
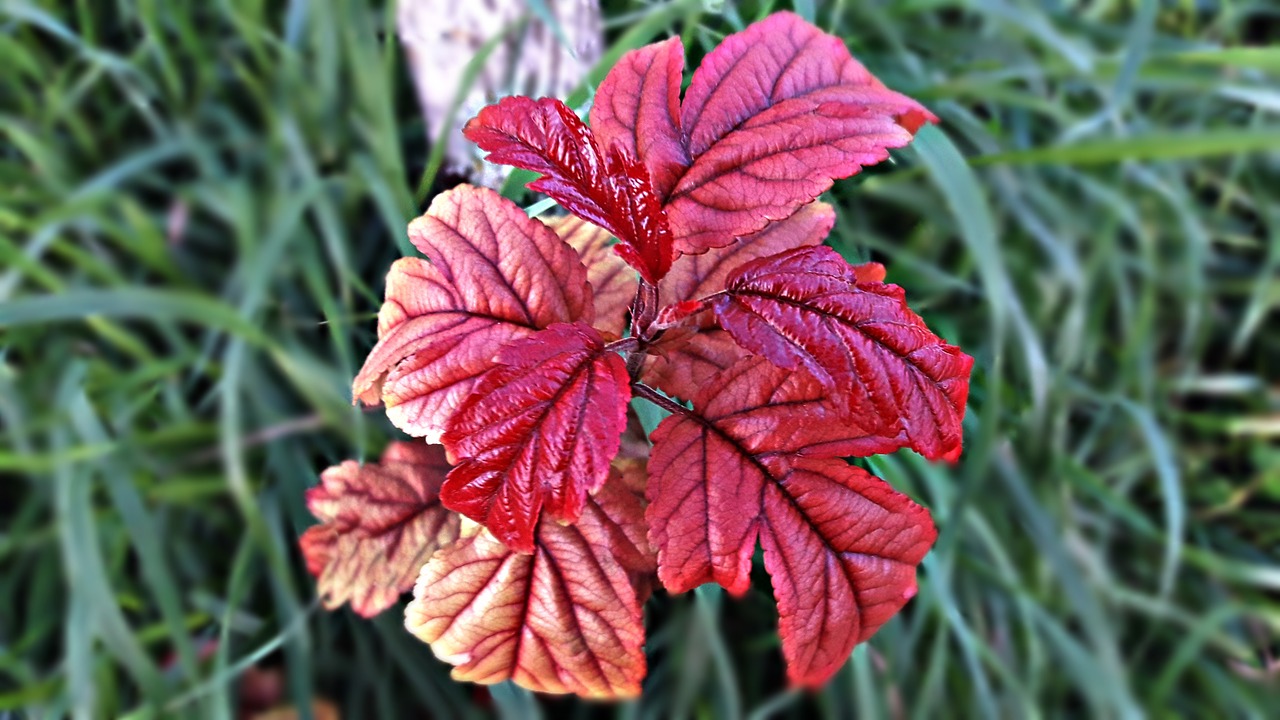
(198, 202)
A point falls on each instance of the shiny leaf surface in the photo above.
(809, 309)
(538, 433)
(611, 189)
(493, 276)
(840, 546)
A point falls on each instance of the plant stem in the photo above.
(643, 309)
(662, 401)
(625, 345)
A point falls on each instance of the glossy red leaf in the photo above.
(684, 362)
(613, 283)
(697, 276)
(494, 276)
(808, 308)
(611, 189)
(773, 115)
(752, 410)
(537, 433)
(564, 619)
(638, 107)
(379, 524)
(756, 462)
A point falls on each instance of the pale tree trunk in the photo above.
(442, 36)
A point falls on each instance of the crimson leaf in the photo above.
(840, 545)
(611, 189)
(807, 308)
(537, 433)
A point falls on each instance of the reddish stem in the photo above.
(625, 345)
(641, 390)
(643, 310)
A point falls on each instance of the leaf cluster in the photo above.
(519, 345)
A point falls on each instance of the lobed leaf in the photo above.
(807, 308)
(772, 116)
(537, 433)
(494, 276)
(613, 284)
(563, 619)
(757, 461)
(841, 547)
(637, 107)
(611, 189)
(379, 525)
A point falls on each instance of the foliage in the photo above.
(201, 199)
(533, 416)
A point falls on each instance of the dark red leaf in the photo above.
(611, 189)
(840, 545)
(751, 410)
(684, 362)
(772, 116)
(537, 433)
(697, 276)
(379, 525)
(564, 619)
(613, 283)
(638, 107)
(808, 308)
(494, 276)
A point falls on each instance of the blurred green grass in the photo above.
(200, 201)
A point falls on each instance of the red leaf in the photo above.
(704, 498)
(564, 619)
(772, 116)
(610, 189)
(771, 410)
(612, 283)
(638, 107)
(840, 545)
(808, 309)
(696, 276)
(495, 276)
(379, 525)
(686, 362)
(538, 432)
